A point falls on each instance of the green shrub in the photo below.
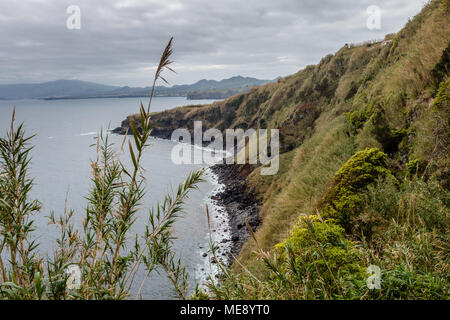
(359, 117)
(442, 97)
(386, 136)
(343, 200)
(415, 166)
(315, 262)
(323, 244)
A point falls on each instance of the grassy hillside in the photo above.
(364, 170)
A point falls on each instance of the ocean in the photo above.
(65, 132)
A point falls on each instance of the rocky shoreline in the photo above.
(238, 201)
(240, 204)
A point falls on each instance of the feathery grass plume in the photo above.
(164, 63)
(102, 253)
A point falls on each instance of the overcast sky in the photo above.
(119, 42)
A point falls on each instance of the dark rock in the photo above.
(240, 204)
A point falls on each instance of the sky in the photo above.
(120, 42)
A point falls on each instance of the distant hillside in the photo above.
(58, 88)
(210, 89)
(203, 89)
(76, 89)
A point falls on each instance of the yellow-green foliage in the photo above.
(414, 166)
(442, 98)
(316, 262)
(358, 117)
(321, 247)
(342, 199)
(445, 5)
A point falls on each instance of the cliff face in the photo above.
(391, 95)
(164, 123)
(380, 88)
(379, 79)
(292, 104)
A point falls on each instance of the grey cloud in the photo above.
(120, 41)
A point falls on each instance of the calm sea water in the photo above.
(64, 130)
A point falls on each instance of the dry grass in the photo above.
(310, 172)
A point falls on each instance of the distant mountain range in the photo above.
(77, 89)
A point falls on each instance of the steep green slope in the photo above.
(365, 153)
(394, 98)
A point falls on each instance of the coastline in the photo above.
(231, 204)
(240, 206)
